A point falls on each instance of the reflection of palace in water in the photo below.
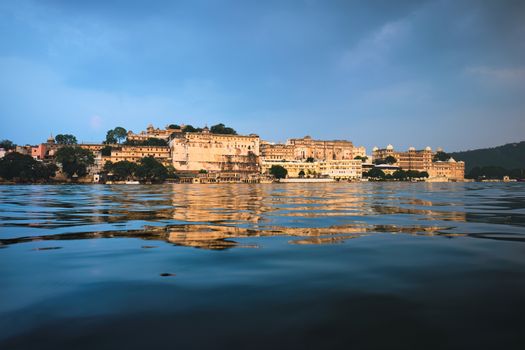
(217, 237)
(217, 216)
(249, 205)
(219, 204)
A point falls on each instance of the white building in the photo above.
(344, 169)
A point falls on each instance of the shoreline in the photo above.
(11, 183)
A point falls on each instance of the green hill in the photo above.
(509, 156)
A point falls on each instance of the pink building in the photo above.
(39, 152)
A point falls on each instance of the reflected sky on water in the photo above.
(277, 265)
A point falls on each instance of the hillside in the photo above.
(509, 156)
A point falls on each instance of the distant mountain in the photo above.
(509, 156)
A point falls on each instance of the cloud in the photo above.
(500, 75)
(374, 48)
(254, 65)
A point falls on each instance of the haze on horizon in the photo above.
(410, 73)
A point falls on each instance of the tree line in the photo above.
(74, 163)
(148, 169)
(495, 173)
(399, 175)
(214, 129)
(19, 167)
(73, 160)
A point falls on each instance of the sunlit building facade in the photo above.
(152, 132)
(195, 151)
(307, 147)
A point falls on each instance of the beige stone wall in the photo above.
(337, 169)
(304, 148)
(293, 167)
(321, 150)
(359, 151)
(342, 169)
(450, 170)
(136, 153)
(383, 153)
(152, 132)
(94, 147)
(415, 160)
(276, 151)
(420, 160)
(215, 152)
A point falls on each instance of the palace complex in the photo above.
(422, 160)
(308, 148)
(217, 157)
(342, 169)
(195, 151)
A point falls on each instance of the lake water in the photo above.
(292, 266)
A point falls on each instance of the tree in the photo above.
(517, 173)
(65, 139)
(376, 173)
(488, 172)
(23, 167)
(74, 160)
(123, 170)
(361, 158)
(222, 129)
(399, 174)
(173, 126)
(412, 174)
(172, 173)
(423, 174)
(7, 145)
(301, 173)
(111, 139)
(189, 128)
(278, 171)
(390, 160)
(152, 141)
(108, 167)
(119, 133)
(151, 170)
(106, 151)
(115, 135)
(441, 156)
(310, 159)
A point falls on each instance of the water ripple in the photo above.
(210, 216)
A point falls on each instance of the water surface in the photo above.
(324, 266)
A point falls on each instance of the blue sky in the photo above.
(410, 73)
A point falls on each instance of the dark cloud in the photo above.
(355, 64)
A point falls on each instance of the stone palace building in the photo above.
(248, 157)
